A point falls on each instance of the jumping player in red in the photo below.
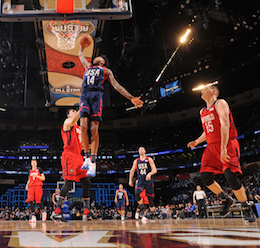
(34, 188)
(121, 199)
(145, 170)
(71, 163)
(222, 153)
(91, 104)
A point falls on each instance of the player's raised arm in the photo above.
(153, 171)
(69, 122)
(135, 100)
(131, 174)
(83, 60)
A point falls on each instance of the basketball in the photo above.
(85, 40)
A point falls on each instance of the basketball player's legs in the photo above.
(138, 191)
(94, 126)
(150, 195)
(85, 182)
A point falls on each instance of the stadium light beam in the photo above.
(201, 87)
(183, 38)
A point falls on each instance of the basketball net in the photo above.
(66, 33)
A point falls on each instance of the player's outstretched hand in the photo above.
(137, 102)
(192, 144)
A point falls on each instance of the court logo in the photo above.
(58, 27)
(66, 89)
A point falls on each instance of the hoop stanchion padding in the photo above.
(65, 6)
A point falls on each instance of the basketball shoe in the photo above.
(248, 213)
(44, 216)
(86, 163)
(226, 204)
(92, 169)
(32, 218)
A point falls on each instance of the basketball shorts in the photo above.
(91, 105)
(121, 205)
(211, 158)
(71, 166)
(34, 194)
(148, 186)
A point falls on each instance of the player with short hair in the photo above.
(91, 104)
(145, 168)
(221, 156)
(121, 199)
(34, 188)
(71, 162)
(55, 197)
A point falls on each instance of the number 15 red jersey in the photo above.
(211, 125)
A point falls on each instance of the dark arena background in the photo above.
(223, 46)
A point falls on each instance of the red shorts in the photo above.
(34, 194)
(71, 166)
(210, 161)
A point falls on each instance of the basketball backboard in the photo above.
(39, 10)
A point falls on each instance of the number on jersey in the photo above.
(209, 127)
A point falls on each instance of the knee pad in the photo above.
(232, 179)
(66, 187)
(137, 195)
(207, 178)
(151, 202)
(85, 182)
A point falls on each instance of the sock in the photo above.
(86, 205)
(93, 157)
(223, 196)
(87, 154)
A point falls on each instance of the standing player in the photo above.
(71, 162)
(34, 188)
(121, 199)
(145, 170)
(55, 197)
(91, 104)
(221, 155)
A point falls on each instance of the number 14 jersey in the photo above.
(211, 125)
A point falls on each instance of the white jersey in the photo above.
(199, 194)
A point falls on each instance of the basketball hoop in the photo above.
(66, 33)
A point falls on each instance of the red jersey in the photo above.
(72, 139)
(211, 125)
(33, 180)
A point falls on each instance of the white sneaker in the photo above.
(44, 216)
(86, 164)
(32, 219)
(122, 218)
(144, 219)
(137, 215)
(92, 169)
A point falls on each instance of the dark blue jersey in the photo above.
(143, 168)
(93, 79)
(120, 195)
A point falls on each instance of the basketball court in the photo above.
(132, 233)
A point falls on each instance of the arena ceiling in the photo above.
(223, 45)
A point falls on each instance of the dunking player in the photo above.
(145, 170)
(121, 199)
(221, 155)
(71, 163)
(34, 188)
(91, 104)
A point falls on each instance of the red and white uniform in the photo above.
(72, 160)
(35, 186)
(211, 156)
